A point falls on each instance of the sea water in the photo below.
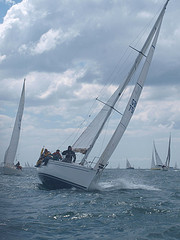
(127, 204)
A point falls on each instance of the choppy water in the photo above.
(128, 204)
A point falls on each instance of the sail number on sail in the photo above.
(132, 105)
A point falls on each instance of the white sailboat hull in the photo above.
(56, 175)
(64, 175)
(10, 170)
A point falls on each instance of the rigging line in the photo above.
(114, 70)
(117, 69)
(109, 106)
(145, 28)
(141, 33)
(75, 132)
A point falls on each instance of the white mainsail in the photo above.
(168, 154)
(87, 139)
(153, 165)
(157, 157)
(12, 149)
(130, 106)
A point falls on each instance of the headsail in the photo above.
(102, 162)
(12, 149)
(87, 139)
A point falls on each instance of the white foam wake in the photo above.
(124, 184)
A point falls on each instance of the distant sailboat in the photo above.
(166, 165)
(157, 164)
(9, 158)
(83, 175)
(128, 165)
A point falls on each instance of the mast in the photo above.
(104, 114)
(102, 162)
(12, 149)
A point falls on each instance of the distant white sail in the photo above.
(157, 157)
(12, 149)
(168, 154)
(128, 165)
(153, 165)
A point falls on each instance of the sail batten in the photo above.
(12, 149)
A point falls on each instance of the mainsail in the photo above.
(157, 157)
(102, 162)
(153, 165)
(169, 153)
(87, 139)
(12, 149)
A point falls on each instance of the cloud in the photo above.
(51, 39)
(10, 2)
(2, 58)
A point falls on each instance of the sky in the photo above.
(72, 52)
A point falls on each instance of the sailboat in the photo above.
(157, 164)
(154, 166)
(9, 158)
(128, 165)
(84, 175)
(167, 162)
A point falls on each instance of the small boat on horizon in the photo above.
(156, 163)
(128, 165)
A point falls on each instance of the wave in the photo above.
(124, 184)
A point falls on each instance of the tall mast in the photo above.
(108, 107)
(133, 100)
